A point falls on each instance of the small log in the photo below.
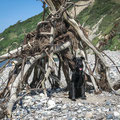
(15, 53)
(65, 68)
(50, 62)
(13, 92)
(35, 80)
(93, 79)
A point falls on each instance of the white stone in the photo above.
(42, 95)
(43, 101)
(37, 97)
(79, 111)
(118, 106)
(49, 113)
(80, 104)
(51, 104)
(28, 97)
(116, 114)
(64, 106)
(28, 102)
(99, 110)
(74, 118)
(89, 115)
(106, 110)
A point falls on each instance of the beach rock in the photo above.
(51, 104)
(116, 114)
(110, 116)
(58, 106)
(89, 115)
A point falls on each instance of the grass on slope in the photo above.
(15, 33)
(91, 15)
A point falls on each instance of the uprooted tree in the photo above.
(59, 34)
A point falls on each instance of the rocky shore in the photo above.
(57, 106)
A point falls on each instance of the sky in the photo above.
(12, 11)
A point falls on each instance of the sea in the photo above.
(3, 63)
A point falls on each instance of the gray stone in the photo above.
(100, 116)
(110, 116)
(89, 115)
(111, 109)
(116, 114)
(108, 103)
(39, 106)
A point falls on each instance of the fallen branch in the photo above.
(13, 92)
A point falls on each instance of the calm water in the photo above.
(2, 63)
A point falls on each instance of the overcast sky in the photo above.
(13, 10)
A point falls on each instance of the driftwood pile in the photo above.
(59, 34)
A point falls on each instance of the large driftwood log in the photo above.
(32, 61)
(73, 23)
(50, 62)
(13, 92)
(15, 53)
(54, 8)
(52, 36)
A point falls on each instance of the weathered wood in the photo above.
(46, 33)
(13, 92)
(93, 79)
(15, 53)
(40, 46)
(50, 62)
(54, 7)
(74, 24)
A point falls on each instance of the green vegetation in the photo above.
(111, 10)
(114, 43)
(15, 33)
(75, 0)
(90, 16)
(95, 41)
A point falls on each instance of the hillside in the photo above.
(16, 33)
(104, 14)
(89, 17)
